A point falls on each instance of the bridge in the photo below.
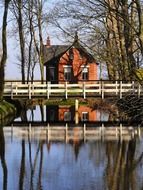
(100, 88)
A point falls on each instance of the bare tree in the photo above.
(4, 47)
(29, 20)
(112, 30)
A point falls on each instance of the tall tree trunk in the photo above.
(30, 14)
(21, 38)
(39, 17)
(4, 47)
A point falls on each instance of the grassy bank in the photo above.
(6, 109)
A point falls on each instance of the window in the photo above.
(85, 116)
(67, 73)
(51, 73)
(67, 116)
(84, 73)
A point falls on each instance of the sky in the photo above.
(12, 70)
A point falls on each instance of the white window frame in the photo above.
(85, 72)
(67, 73)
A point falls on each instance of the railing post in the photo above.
(100, 87)
(102, 90)
(11, 90)
(116, 87)
(48, 90)
(16, 88)
(133, 87)
(29, 90)
(120, 89)
(66, 93)
(84, 90)
(32, 88)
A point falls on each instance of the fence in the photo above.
(15, 89)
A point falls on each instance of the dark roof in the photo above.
(56, 51)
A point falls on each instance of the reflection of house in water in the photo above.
(67, 113)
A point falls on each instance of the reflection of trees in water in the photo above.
(121, 165)
(33, 163)
(120, 160)
(2, 157)
(76, 147)
(39, 185)
(22, 167)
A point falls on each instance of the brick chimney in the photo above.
(48, 42)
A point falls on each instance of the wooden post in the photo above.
(11, 90)
(29, 90)
(76, 105)
(116, 132)
(16, 88)
(84, 91)
(133, 87)
(116, 87)
(32, 88)
(120, 89)
(48, 90)
(100, 87)
(76, 112)
(66, 93)
(102, 90)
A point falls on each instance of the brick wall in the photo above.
(76, 64)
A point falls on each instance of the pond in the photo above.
(31, 159)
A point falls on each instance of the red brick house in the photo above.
(71, 63)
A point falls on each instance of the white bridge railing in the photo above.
(101, 89)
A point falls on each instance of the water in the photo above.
(31, 160)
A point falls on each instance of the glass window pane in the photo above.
(85, 73)
(67, 73)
